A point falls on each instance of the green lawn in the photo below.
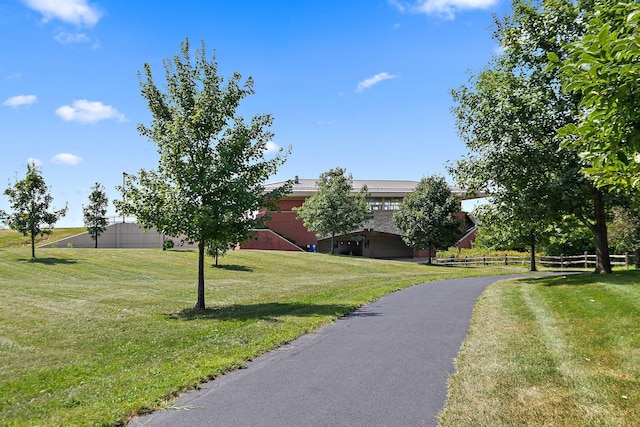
(553, 351)
(95, 336)
(12, 239)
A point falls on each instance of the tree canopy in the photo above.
(509, 117)
(210, 177)
(30, 202)
(333, 210)
(427, 216)
(602, 67)
(95, 213)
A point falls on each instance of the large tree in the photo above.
(30, 202)
(427, 216)
(509, 117)
(333, 210)
(95, 213)
(603, 68)
(210, 177)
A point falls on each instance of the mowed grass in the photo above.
(552, 351)
(96, 336)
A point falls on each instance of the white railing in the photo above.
(122, 219)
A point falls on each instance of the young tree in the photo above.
(510, 116)
(30, 202)
(211, 173)
(427, 216)
(95, 219)
(625, 229)
(603, 67)
(501, 228)
(332, 210)
(217, 250)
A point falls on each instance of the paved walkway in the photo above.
(387, 364)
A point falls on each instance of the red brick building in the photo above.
(378, 236)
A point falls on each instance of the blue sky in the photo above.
(361, 84)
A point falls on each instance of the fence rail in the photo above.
(562, 261)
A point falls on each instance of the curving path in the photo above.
(386, 364)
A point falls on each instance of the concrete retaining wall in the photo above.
(119, 235)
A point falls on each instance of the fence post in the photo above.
(586, 260)
(626, 260)
(466, 261)
(484, 260)
(561, 260)
(506, 260)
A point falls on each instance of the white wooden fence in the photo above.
(563, 261)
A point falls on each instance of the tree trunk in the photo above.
(96, 247)
(33, 245)
(332, 237)
(603, 263)
(200, 304)
(637, 257)
(429, 255)
(532, 252)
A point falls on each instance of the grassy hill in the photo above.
(13, 239)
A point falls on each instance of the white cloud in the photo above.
(33, 161)
(18, 100)
(89, 112)
(77, 12)
(68, 38)
(272, 147)
(443, 8)
(367, 83)
(66, 159)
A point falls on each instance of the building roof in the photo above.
(303, 187)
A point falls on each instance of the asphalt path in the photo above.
(387, 364)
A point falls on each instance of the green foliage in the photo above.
(497, 229)
(509, 118)
(95, 213)
(211, 172)
(30, 202)
(167, 243)
(603, 67)
(624, 229)
(498, 232)
(477, 252)
(427, 216)
(569, 237)
(217, 250)
(333, 210)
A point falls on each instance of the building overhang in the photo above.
(302, 188)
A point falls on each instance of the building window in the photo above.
(392, 204)
(383, 204)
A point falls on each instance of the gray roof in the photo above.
(377, 187)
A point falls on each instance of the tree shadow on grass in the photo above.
(233, 267)
(266, 311)
(582, 278)
(48, 261)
